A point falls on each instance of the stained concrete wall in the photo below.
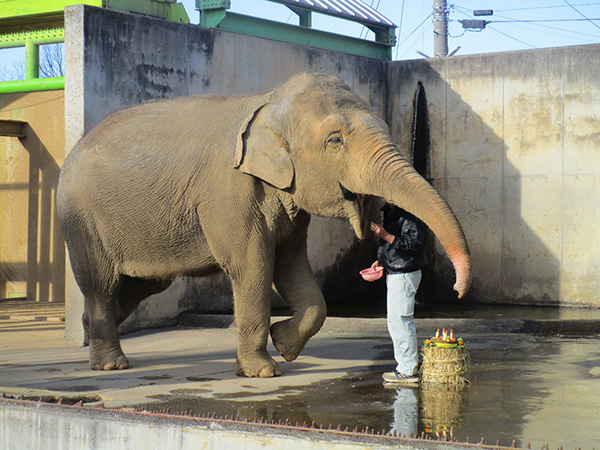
(48, 426)
(32, 255)
(515, 150)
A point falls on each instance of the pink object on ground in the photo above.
(372, 273)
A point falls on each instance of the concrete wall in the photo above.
(29, 425)
(32, 255)
(515, 150)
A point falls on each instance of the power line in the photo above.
(564, 30)
(400, 27)
(511, 37)
(581, 14)
(459, 8)
(538, 22)
(415, 41)
(365, 29)
(544, 7)
(401, 18)
(413, 31)
(568, 30)
(544, 20)
(462, 10)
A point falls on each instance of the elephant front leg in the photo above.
(252, 301)
(296, 283)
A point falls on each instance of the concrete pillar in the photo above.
(74, 131)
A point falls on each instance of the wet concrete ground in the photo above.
(533, 389)
(535, 381)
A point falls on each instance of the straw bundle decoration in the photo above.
(445, 360)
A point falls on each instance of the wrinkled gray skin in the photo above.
(193, 185)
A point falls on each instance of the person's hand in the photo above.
(377, 230)
(375, 264)
(381, 233)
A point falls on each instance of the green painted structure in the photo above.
(214, 14)
(31, 40)
(22, 15)
(31, 23)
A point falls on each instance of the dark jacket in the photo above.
(407, 252)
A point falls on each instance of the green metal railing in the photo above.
(32, 40)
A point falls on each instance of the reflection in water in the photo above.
(441, 410)
(406, 412)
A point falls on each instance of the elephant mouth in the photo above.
(357, 214)
(352, 197)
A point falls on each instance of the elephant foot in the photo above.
(257, 365)
(286, 339)
(108, 361)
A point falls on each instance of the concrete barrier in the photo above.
(40, 426)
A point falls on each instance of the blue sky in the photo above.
(557, 23)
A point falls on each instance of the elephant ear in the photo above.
(261, 152)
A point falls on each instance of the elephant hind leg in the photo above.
(133, 291)
(104, 341)
(100, 283)
(106, 312)
(103, 336)
(101, 316)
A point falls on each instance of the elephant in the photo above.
(194, 185)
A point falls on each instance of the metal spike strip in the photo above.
(260, 422)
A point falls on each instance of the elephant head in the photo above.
(315, 140)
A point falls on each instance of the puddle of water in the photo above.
(537, 390)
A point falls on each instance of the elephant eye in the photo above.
(335, 139)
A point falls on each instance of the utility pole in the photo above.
(440, 28)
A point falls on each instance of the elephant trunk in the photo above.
(391, 177)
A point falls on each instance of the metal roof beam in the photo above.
(354, 10)
(304, 15)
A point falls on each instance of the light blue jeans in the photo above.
(401, 291)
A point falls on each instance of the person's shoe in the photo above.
(398, 378)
